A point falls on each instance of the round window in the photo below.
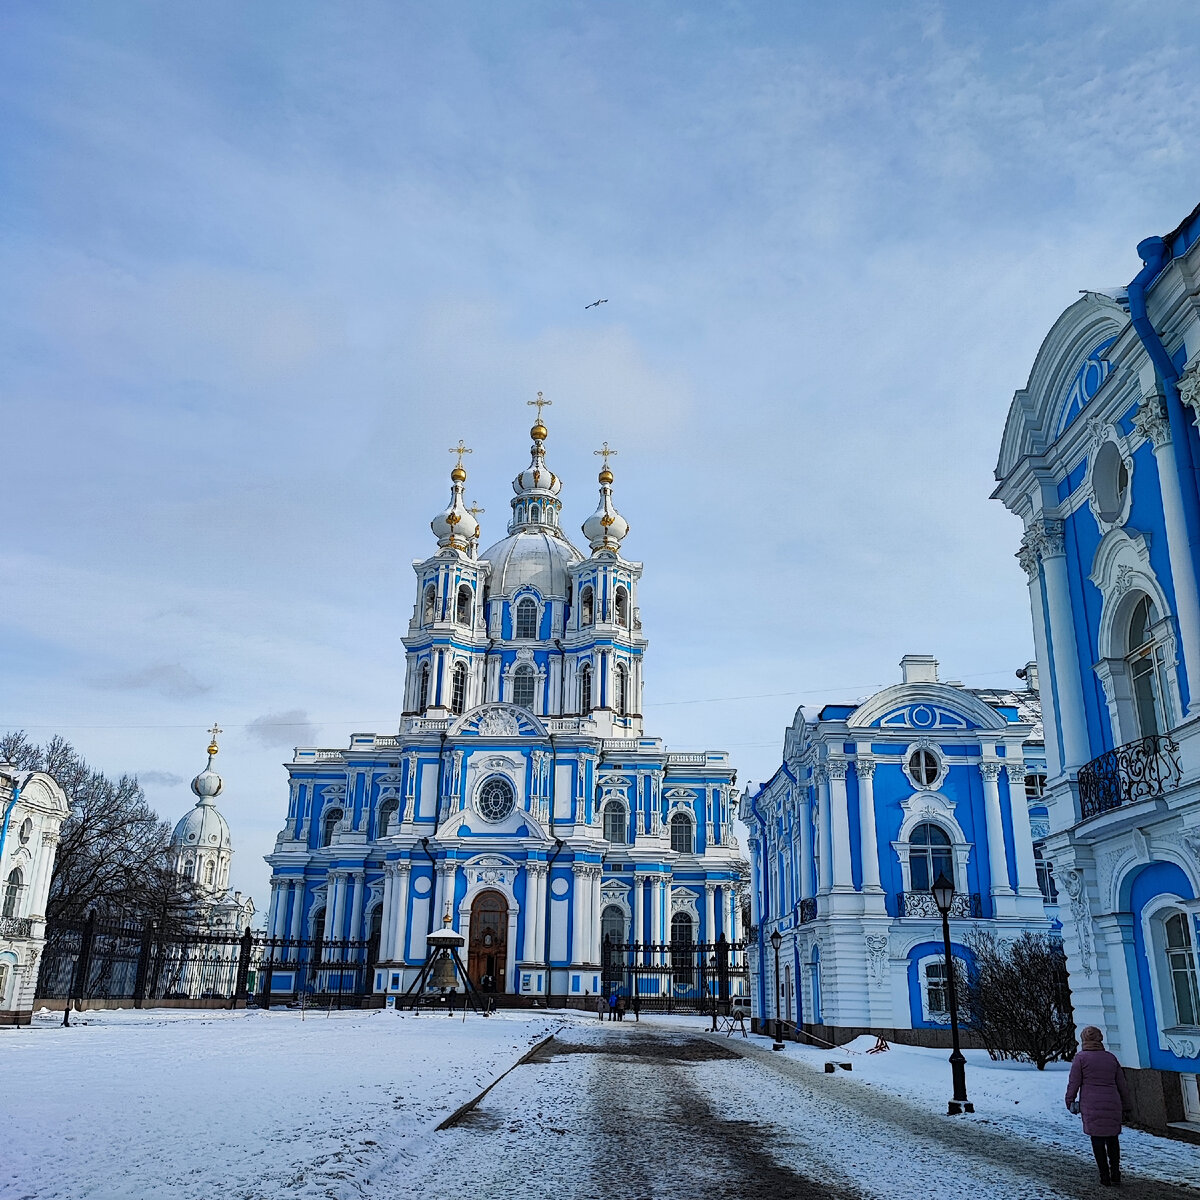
(923, 767)
(1110, 483)
(26, 831)
(496, 799)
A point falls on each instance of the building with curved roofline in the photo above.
(520, 799)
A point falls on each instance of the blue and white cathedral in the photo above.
(521, 803)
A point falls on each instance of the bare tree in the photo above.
(114, 857)
(1017, 997)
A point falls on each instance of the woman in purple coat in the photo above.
(1098, 1081)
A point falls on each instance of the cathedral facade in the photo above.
(520, 802)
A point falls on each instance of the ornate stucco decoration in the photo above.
(1151, 420)
(877, 945)
(1075, 887)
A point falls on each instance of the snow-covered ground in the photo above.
(259, 1106)
(174, 1105)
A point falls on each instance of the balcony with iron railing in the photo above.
(922, 904)
(808, 910)
(1138, 770)
(16, 927)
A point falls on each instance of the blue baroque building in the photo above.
(521, 802)
(873, 800)
(1099, 461)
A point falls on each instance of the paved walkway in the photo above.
(629, 1113)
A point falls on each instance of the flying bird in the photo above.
(594, 304)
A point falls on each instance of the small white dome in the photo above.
(536, 558)
(203, 827)
(605, 528)
(208, 783)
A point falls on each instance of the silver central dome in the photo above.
(533, 558)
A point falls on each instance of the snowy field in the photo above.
(173, 1105)
(215, 1105)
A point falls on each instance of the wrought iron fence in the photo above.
(1138, 770)
(922, 904)
(808, 910)
(94, 960)
(16, 927)
(676, 976)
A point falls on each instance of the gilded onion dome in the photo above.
(536, 489)
(605, 528)
(455, 527)
(204, 827)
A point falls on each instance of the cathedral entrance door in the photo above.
(487, 955)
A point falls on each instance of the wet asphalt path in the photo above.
(627, 1113)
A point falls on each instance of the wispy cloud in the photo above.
(291, 728)
(170, 680)
(165, 779)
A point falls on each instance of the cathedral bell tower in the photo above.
(447, 635)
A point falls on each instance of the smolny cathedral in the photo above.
(521, 802)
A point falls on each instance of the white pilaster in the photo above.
(824, 857)
(839, 819)
(639, 921)
(356, 907)
(399, 941)
(997, 859)
(297, 910)
(864, 768)
(710, 913)
(1027, 557)
(385, 926)
(579, 898)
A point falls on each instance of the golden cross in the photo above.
(605, 453)
(460, 450)
(475, 510)
(215, 730)
(539, 404)
(212, 739)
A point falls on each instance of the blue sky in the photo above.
(262, 264)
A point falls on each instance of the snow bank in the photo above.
(243, 1105)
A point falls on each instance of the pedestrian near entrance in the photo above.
(612, 1007)
(620, 1008)
(1103, 1096)
(600, 1007)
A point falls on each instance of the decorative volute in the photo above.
(605, 528)
(536, 503)
(456, 528)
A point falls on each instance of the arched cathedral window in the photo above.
(615, 823)
(12, 891)
(429, 608)
(462, 612)
(526, 619)
(332, 817)
(681, 833)
(387, 812)
(620, 689)
(586, 606)
(458, 689)
(1181, 964)
(423, 697)
(585, 690)
(210, 873)
(1146, 659)
(622, 607)
(523, 686)
(929, 856)
(612, 926)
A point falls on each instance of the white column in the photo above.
(710, 914)
(450, 874)
(578, 902)
(333, 910)
(1027, 884)
(543, 912)
(839, 821)
(997, 859)
(530, 953)
(1187, 601)
(297, 928)
(639, 909)
(735, 917)
(756, 881)
(656, 910)
(824, 855)
(356, 905)
(385, 925)
(400, 913)
(1050, 544)
(273, 909)
(1028, 559)
(864, 768)
(597, 908)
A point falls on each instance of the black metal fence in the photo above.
(677, 976)
(93, 960)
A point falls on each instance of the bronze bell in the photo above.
(443, 973)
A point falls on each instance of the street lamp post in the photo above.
(776, 940)
(943, 897)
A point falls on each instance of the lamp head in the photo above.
(776, 939)
(943, 893)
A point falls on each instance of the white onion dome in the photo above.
(204, 826)
(536, 503)
(605, 528)
(455, 528)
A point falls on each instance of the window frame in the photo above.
(464, 613)
(523, 606)
(330, 820)
(620, 690)
(925, 851)
(585, 689)
(458, 688)
(524, 673)
(610, 820)
(14, 888)
(680, 818)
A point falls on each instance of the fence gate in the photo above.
(676, 976)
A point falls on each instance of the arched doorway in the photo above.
(487, 954)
